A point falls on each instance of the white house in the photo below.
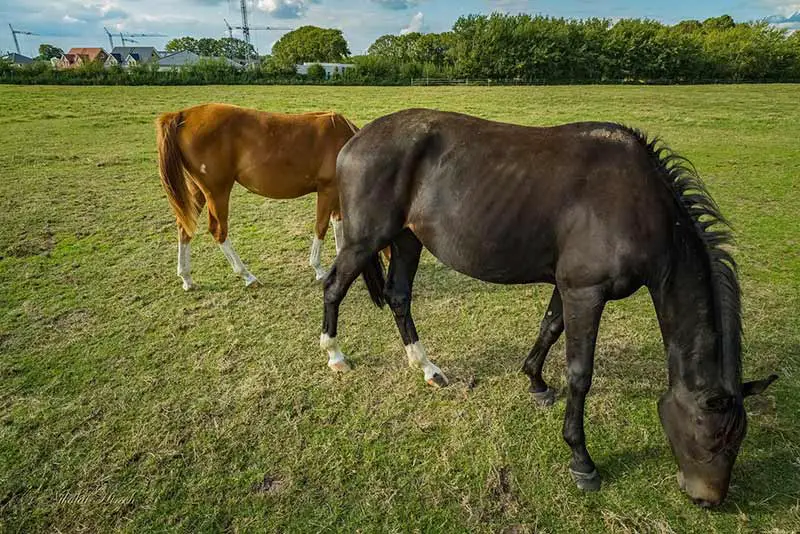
(330, 68)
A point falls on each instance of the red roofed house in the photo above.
(80, 56)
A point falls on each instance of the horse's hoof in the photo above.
(320, 275)
(586, 481)
(438, 380)
(188, 286)
(544, 398)
(251, 281)
(340, 366)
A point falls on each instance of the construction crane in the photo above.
(252, 28)
(246, 28)
(14, 34)
(128, 37)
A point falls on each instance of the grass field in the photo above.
(128, 404)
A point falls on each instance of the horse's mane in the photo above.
(714, 231)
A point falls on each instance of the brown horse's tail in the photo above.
(173, 173)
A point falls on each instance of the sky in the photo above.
(69, 23)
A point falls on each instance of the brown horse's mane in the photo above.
(714, 231)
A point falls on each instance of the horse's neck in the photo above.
(685, 307)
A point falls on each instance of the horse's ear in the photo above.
(756, 387)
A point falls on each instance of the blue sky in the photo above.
(68, 23)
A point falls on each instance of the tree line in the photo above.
(498, 48)
(545, 49)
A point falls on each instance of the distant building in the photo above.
(177, 60)
(17, 59)
(330, 68)
(77, 57)
(185, 58)
(129, 56)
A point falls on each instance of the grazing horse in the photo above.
(204, 150)
(595, 209)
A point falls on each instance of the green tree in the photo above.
(182, 44)
(316, 72)
(48, 51)
(387, 46)
(724, 22)
(689, 26)
(434, 48)
(236, 48)
(209, 47)
(310, 44)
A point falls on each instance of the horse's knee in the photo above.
(579, 380)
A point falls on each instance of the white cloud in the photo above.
(396, 4)
(72, 20)
(285, 9)
(509, 6)
(784, 7)
(788, 17)
(415, 25)
(102, 7)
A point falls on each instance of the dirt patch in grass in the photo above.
(31, 245)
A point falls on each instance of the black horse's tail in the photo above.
(375, 280)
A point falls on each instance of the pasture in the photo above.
(128, 404)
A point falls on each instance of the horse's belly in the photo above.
(521, 261)
(273, 185)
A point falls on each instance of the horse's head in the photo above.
(705, 431)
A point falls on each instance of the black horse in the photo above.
(595, 209)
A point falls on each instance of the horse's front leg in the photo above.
(582, 310)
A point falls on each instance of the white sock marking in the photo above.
(203, 168)
(315, 258)
(336, 360)
(185, 264)
(417, 357)
(236, 263)
(338, 234)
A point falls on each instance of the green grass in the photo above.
(127, 404)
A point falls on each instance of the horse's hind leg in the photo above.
(406, 251)
(325, 202)
(218, 226)
(350, 262)
(184, 247)
(551, 328)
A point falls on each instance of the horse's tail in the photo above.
(374, 278)
(173, 172)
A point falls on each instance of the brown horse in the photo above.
(204, 150)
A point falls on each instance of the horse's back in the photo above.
(277, 155)
(508, 203)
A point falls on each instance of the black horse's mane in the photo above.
(714, 231)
